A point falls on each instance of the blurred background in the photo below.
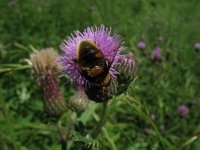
(164, 37)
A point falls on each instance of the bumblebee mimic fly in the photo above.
(92, 63)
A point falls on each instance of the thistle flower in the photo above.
(156, 54)
(90, 58)
(153, 117)
(183, 110)
(197, 46)
(45, 69)
(141, 45)
(109, 45)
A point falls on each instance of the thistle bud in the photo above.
(79, 102)
(101, 94)
(45, 69)
(126, 68)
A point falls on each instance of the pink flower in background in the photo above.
(197, 46)
(153, 117)
(183, 110)
(141, 45)
(156, 54)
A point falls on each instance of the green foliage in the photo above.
(160, 87)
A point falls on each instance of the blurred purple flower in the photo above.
(197, 46)
(141, 45)
(110, 45)
(153, 117)
(183, 110)
(156, 54)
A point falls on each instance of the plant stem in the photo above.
(63, 144)
(100, 124)
(97, 130)
(63, 136)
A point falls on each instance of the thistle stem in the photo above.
(63, 144)
(63, 136)
(101, 122)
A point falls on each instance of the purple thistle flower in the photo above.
(153, 117)
(183, 110)
(156, 54)
(197, 46)
(141, 45)
(109, 45)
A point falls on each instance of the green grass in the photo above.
(158, 89)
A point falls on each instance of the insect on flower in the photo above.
(92, 63)
(90, 56)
